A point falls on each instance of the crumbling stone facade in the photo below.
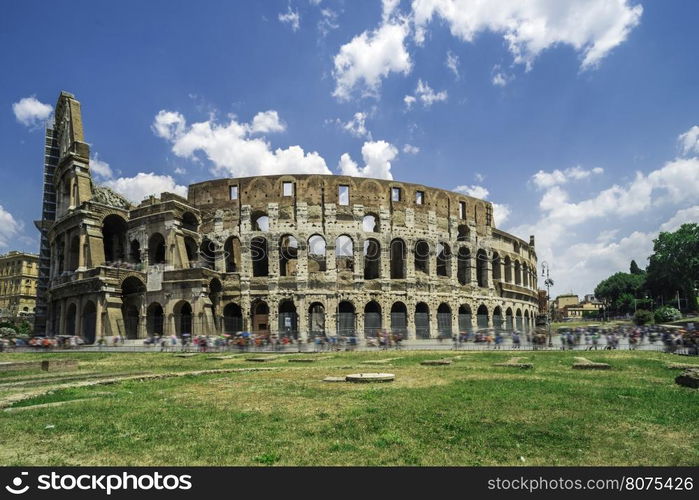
(297, 255)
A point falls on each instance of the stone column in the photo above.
(473, 267)
(434, 330)
(98, 319)
(302, 317)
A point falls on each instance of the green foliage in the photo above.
(24, 328)
(642, 317)
(634, 269)
(6, 332)
(674, 265)
(620, 290)
(667, 314)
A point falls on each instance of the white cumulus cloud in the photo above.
(31, 112)
(409, 149)
(377, 156)
(9, 228)
(473, 190)
(142, 185)
(591, 27)
(231, 149)
(689, 141)
(544, 180)
(357, 126)
(369, 57)
(426, 95)
(100, 169)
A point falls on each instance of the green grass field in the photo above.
(467, 413)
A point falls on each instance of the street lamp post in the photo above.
(549, 283)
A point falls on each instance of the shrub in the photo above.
(6, 331)
(667, 314)
(642, 317)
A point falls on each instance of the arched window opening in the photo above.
(422, 257)
(135, 252)
(443, 260)
(232, 319)
(288, 319)
(372, 319)
(259, 256)
(207, 254)
(260, 221)
(444, 326)
(422, 321)
(482, 317)
(344, 253)
(316, 320)
(463, 266)
(464, 319)
(190, 222)
(156, 249)
(231, 251)
(518, 273)
(372, 259)
(288, 255)
(370, 223)
(397, 259)
(346, 319)
(497, 276)
(114, 238)
(191, 248)
(154, 320)
(399, 319)
(482, 268)
(463, 233)
(316, 254)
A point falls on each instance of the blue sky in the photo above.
(578, 119)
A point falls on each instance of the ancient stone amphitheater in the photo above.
(292, 255)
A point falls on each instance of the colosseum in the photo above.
(291, 255)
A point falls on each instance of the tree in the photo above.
(642, 317)
(674, 265)
(611, 290)
(634, 269)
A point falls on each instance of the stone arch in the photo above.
(74, 253)
(518, 320)
(259, 221)
(114, 238)
(509, 322)
(422, 320)
(182, 313)
(190, 246)
(232, 254)
(71, 319)
(463, 265)
(259, 256)
(527, 324)
(316, 320)
(372, 259)
(288, 319)
(518, 273)
(207, 254)
(288, 255)
(444, 323)
(482, 268)
(463, 233)
(482, 316)
(344, 253)
(443, 259)
(370, 223)
(498, 320)
(155, 320)
(135, 251)
(422, 257)
(232, 319)
(508, 269)
(465, 325)
(317, 254)
(372, 319)
(132, 293)
(497, 276)
(399, 319)
(346, 319)
(190, 222)
(89, 322)
(260, 317)
(156, 249)
(398, 259)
